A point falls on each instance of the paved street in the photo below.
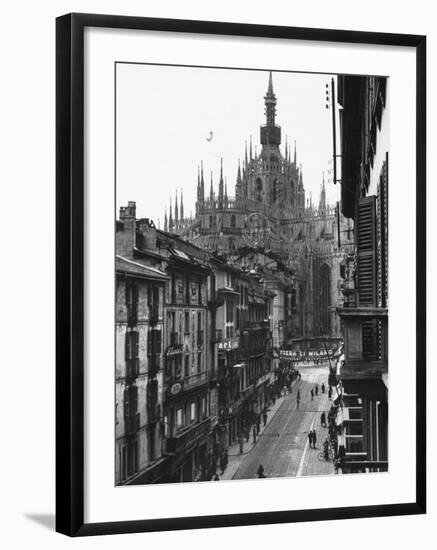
(282, 446)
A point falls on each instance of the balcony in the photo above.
(132, 424)
(195, 380)
(188, 437)
(366, 342)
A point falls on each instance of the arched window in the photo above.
(275, 190)
(258, 189)
(233, 221)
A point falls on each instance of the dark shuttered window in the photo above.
(366, 255)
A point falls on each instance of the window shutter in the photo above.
(149, 343)
(126, 346)
(156, 295)
(158, 341)
(136, 344)
(366, 257)
(126, 403)
(134, 400)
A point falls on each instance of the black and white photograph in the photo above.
(251, 274)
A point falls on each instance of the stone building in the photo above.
(363, 371)
(269, 212)
(139, 456)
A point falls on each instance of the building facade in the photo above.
(363, 371)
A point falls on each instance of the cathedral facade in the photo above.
(269, 226)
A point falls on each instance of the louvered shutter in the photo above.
(136, 344)
(366, 257)
(126, 403)
(127, 346)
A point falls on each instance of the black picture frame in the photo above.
(70, 273)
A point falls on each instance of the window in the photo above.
(199, 362)
(151, 438)
(132, 301)
(233, 221)
(187, 322)
(187, 365)
(179, 421)
(193, 412)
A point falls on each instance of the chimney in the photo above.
(125, 230)
(146, 234)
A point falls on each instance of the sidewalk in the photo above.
(234, 456)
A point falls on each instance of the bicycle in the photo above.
(331, 455)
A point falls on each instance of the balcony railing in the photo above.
(195, 379)
(187, 437)
(132, 423)
(366, 342)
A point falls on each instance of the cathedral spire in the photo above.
(176, 210)
(322, 202)
(250, 148)
(211, 191)
(220, 192)
(170, 219)
(270, 103)
(245, 153)
(182, 206)
(270, 133)
(165, 221)
(226, 190)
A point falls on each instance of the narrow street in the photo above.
(282, 447)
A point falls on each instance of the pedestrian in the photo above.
(300, 375)
(312, 394)
(258, 424)
(317, 390)
(254, 434)
(314, 439)
(330, 392)
(323, 419)
(264, 418)
(260, 471)
(241, 443)
(323, 387)
(216, 478)
(310, 438)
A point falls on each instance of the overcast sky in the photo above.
(165, 115)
